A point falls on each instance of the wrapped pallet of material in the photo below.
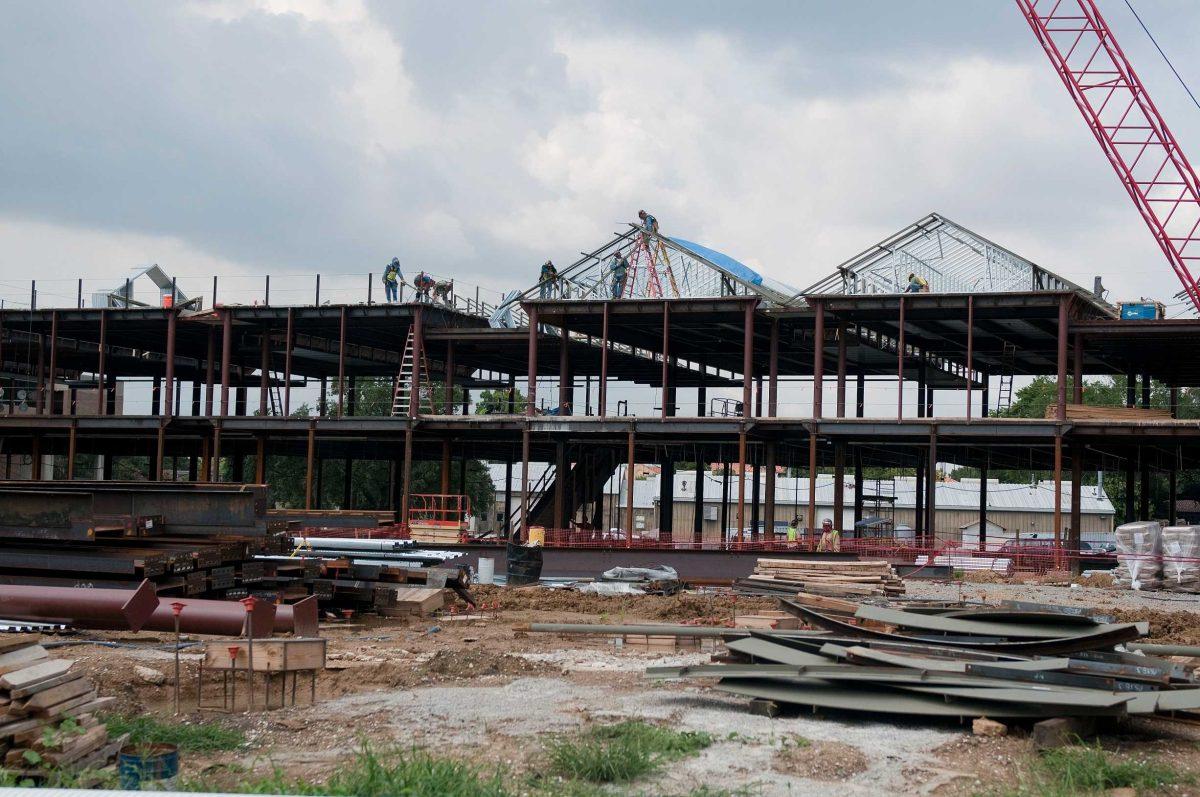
(1139, 556)
(1181, 558)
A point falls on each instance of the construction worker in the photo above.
(423, 283)
(793, 531)
(547, 278)
(916, 285)
(392, 277)
(649, 223)
(619, 267)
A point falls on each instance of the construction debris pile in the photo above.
(49, 713)
(657, 580)
(1150, 557)
(786, 577)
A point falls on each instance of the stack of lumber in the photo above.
(49, 712)
(1084, 412)
(822, 577)
(435, 533)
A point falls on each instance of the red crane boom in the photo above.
(1133, 134)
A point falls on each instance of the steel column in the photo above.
(1073, 533)
(414, 392)
(604, 344)
(287, 363)
(818, 359)
(566, 380)
(741, 494)
(970, 350)
(1173, 487)
(264, 372)
(747, 358)
(101, 362)
(841, 370)
(169, 377)
(341, 383)
(773, 371)
(1058, 464)
(406, 484)
(666, 358)
(839, 485)
(769, 507)
(53, 362)
(448, 392)
(531, 385)
(812, 480)
(522, 529)
(1061, 360)
(931, 485)
(309, 462)
(900, 365)
(1077, 370)
(71, 452)
(226, 356)
(983, 507)
(629, 477)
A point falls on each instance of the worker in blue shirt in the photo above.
(392, 277)
(649, 223)
(547, 278)
(620, 268)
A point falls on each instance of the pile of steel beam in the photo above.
(189, 539)
(1013, 661)
(367, 574)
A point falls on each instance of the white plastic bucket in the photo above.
(487, 570)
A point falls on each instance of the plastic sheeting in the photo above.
(1139, 556)
(656, 573)
(1180, 554)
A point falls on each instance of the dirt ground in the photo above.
(480, 690)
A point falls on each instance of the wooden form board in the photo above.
(270, 655)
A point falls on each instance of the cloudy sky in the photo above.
(473, 139)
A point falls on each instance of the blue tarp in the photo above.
(739, 270)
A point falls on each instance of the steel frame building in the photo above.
(210, 365)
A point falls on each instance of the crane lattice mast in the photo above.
(1133, 134)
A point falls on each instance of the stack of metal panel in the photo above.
(1008, 661)
(1015, 660)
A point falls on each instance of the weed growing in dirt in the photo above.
(622, 752)
(1088, 769)
(413, 773)
(192, 738)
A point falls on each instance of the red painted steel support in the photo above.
(448, 393)
(229, 618)
(900, 365)
(1077, 370)
(71, 447)
(741, 474)
(308, 462)
(522, 531)
(414, 393)
(1058, 463)
(1127, 125)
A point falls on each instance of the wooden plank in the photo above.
(270, 655)
(21, 658)
(31, 676)
(17, 694)
(51, 697)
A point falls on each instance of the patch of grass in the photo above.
(622, 752)
(1089, 769)
(192, 738)
(412, 773)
